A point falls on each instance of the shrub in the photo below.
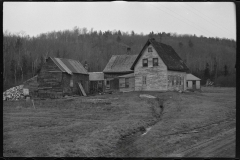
(228, 81)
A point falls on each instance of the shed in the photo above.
(60, 76)
(127, 82)
(193, 82)
(96, 82)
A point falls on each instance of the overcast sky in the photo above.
(210, 19)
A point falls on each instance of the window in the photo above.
(144, 80)
(127, 83)
(150, 49)
(155, 61)
(145, 62)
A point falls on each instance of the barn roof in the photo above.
(120, 63)
(191, 77)
(167, 54)
(69, 65)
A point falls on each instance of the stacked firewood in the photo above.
(14, 93)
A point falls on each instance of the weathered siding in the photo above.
(114, 80)
(122, 86)
(172, 80)
(77, 78)
(198, 85)
(156, 76)
(49, 80)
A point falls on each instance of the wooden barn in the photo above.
(127, 83)
(118, 65)
(193, 82)
(59, 77)
(159, 68)
(96, 82)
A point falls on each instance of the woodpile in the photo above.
(14, 93)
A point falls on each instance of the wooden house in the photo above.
(159, 68)
(127, 83)
(193, 82)
(96, 82)
(118, 65)
(59, 77)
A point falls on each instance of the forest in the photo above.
(23, 55)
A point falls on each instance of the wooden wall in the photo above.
(82, 78)
(156, 75)
(173, 75)
(122, 86)
(50, 81)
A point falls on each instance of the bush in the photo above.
(228, 81)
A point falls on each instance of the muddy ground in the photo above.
(194, 124)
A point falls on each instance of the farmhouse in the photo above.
(59, 77)
(118, 65)
(159, 68)
(193, 82)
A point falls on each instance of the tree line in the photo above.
(23, 56)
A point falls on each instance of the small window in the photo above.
(127, 83)
(155, 61)
(145, 62)
(150, 49)
(144, 79)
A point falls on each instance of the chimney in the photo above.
(86, 65)
(153, 39)
(128, 50)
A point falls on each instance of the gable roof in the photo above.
(167, 54)
(191, 77)
(120, 63)
(69, 65)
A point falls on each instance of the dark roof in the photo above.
(69, 65)
(167, 54)
(120, 64)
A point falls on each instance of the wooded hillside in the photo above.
(23, 55)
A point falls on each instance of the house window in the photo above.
(144, 80)
(127, 83)
(145, 62)
(150, 49)
(155, 61)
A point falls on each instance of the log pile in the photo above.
(14, 93)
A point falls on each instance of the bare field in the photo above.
(194, 124)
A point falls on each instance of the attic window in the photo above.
(145, 62)
(150, 49)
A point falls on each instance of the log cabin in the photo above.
(59, 77)
(159, 68)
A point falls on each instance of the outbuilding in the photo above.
(193, 82)
(96, 82)
(59, 77)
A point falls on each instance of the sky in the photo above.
(210, 19)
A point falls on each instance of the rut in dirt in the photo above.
(127, 141)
